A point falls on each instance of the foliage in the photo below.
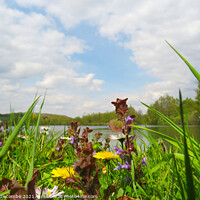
(45, 119)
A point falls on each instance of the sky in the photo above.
(85, 54)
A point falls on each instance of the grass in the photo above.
(167, 174)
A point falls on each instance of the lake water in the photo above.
(194, 131)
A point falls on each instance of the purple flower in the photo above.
(119, 152)
(109, 127)
(143, 161)
(126, 166)
(57, 148)
(73, 141)
(127, 179)
(75, 163)
(1, 144)
(118, 167)
(129, 120)
(94, 153)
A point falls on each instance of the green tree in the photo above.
(167, 105)
(197, 98)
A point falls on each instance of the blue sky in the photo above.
(87, 56)
(108, 60)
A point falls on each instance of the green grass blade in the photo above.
(179, 178)
(133, 178)
(30, 173)
(189, 177)
(190, 139)
(193, 70)
(193, 160)
(16, 130)
(171, 123)
(167, 138)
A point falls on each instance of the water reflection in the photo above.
(194, 131)
(140, 139)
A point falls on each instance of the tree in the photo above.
(197, 98)
(167, 105)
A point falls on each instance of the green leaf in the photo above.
(120, 192)
(128, 189)
(30, 173)
(193, 160)
(4, 193)
(193, 70)
(180, 181)
(189, 177)
(167, 138)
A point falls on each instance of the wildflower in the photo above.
(129, 120)
(126, 166)
(63, 172)
(143, 161)
(1, 144)
(47, 193)
(65, 138)
(105, 155)
(116, 137)
(44, 130)
(109, 127)
(75, 163)
(23, 136)
(119, 137)
(118, 167)
(127, 179)
(73, 141)
(57, 148)
(119, 152)
(104, 171)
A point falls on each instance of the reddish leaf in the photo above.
(109, 191)
(116, 125)
(121, 107)
(19, 194)
(6, 184)
(98, 135)
(74, 125)
(31, 185)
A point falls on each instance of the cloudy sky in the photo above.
(87, 53)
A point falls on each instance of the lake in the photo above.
(194, 131)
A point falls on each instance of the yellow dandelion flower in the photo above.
(105, 155)
(63, 172)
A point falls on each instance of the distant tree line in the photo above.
(167, 105)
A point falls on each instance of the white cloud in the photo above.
(31, 47)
